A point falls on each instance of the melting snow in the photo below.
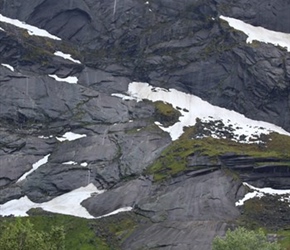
(249, 196)
(124, 97)
(70, 163)
(8, 66)
(66, 56)
(17, 207)
(69, 79)
(259, 33)
(192, 107)
(120, 210)
(45, 137)
(260, 192)
(69, 203)
(70, 136)
(32, 30)
(84, 164)
(34, 167)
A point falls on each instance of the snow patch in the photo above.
(192, 107)
(260, 192)
(70, 163)
(17, 207)
(32, 30)
(2, 29)
(69, 204)
(35, 166)
(259, 33)
(123, 97)
(69, 79)
(45, 137)
(70, 136)
(66, 56)
(249, 196)
(120, 210)
(8, 66)
(158, 123)
(84, 164)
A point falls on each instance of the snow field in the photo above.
(197, 108)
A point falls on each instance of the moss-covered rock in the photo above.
(165, 113)
(175, 159)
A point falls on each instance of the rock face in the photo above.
(170, 44)
(182, 45)
(177, 211)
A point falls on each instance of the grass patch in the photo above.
(284, 238)
(165, 113)
(83, 234)
(79, 232)
(174, 158)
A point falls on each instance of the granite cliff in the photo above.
(66, 112)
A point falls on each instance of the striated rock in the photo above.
(267, 14)
(182, 45)
(174, 235)
(191, 49)
(10, 193)
(127, 195)
(182, 215)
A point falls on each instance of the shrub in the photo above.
(242, 239)
(20, 235)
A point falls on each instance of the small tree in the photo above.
(20, 235)
(242, 239)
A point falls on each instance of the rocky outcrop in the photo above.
(182, 213)
(261, 172)
(182, 45)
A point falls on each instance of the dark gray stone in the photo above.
(127, 195)
(171, 44)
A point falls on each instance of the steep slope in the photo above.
(82, 133)
(182, 45)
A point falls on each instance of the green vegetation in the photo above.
(284, 239)
(80, 234)
(242, 239)
(21, 235)
(173, 159)
(258, 213)
(165, 113)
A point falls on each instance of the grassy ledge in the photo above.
(174, 159)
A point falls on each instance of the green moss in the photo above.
(284, 238)
(71, 49)
(174, 158)
(165, 113)
(123, 228)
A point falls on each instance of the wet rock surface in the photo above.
(182, 45)
(182, 214)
